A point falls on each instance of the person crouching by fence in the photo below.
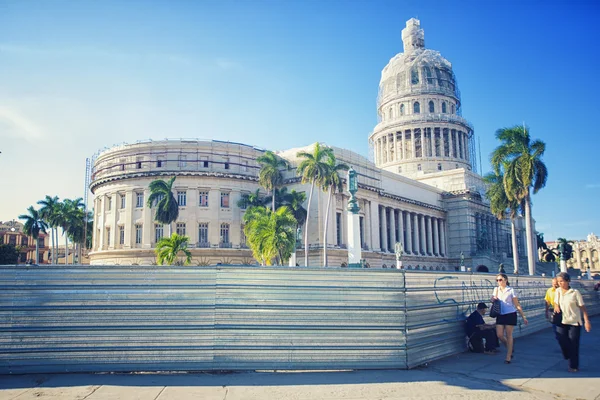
(549, 298)
(569, 302)
(507, 320)
(478, 331)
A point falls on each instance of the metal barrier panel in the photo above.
(93, 319)
(437, 304)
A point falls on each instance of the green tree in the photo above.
(294, 200)
(49, 213)
(502, 207)
(332, 181)
(270, 176)
(9, 254)
(248, 200)
(313, 168)
(168, 249)
(167, 209)
(524, 173)
(270, 235)
(34, 224)
(68, 214)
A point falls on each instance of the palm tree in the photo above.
(524, 170)
(77, 230)
(294, 200)
(333, 182)
(167, 209)
(270, 234)
(49, 212)
(168, 249)
(251, 200)
(34, 224)
(313, 169)
(69, 213)
(501, 206)
(270, 176)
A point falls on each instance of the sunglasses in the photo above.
(499, 280)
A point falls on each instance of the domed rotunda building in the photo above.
(420, 188)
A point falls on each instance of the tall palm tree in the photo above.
(294, 200)
(69, 214)
(49, 212)
(77, 230)
(270, 234)
(270, 176)
(313, 169)
(501, 206)
(167, 209)
(524, 170)
(34, 224)
(168, 249)
(333, 183)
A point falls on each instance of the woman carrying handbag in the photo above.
(507, 320)
(569, 303)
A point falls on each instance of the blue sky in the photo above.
(76, 76)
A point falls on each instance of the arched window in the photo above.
(416, 108)
(414, 76)
(401, 109)
(419, 167)
(431, 107)
(452, 108)
(444, 107)
(428, 75)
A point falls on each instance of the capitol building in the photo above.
(420, 188)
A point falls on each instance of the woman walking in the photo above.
(570, 303)
(507, 320)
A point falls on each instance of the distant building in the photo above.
(421, 187)
(585, 254)
(11, 232)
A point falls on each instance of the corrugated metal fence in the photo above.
(87, 318)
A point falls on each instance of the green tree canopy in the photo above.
(169, 249)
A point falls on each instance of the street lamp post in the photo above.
(354, 245)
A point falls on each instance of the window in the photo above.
(203, 199)
(203, 233)
(122, 198)
(439, 166)
(245, 166)
(400, 169)
(121, 235)
(138, 163)
(338, 228)
(428, 75)
(431, 107)
(41, 242)
(159, 162)
(226, 163)
(419, 167)
(182, 199)
(401, 109)
(453, 109)
(416, 108)
(158, 199)
(224, 233)
(122, 164)
(24, 241)
(108, 236)
(204, 162)
(139, 200)
(180, 228)
(224, 199)
(414, 76)
(182, 161)
(444, 110)
(109, 203)
(158, 232)
(12, 239)
(138, 234)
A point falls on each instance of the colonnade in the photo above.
(420, 235)
(488, 232)
(422, 142)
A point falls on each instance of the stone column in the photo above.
(403, 145)
(383, 228)
(450, 143)
(374, 222)
(129, 221)
(579, 263)
(413, 144)
(409, 245)
(394, 141)
(443, 237)
(401, 228)
(429, 236)
(436, 238)
(423, 235)
(392, 229)
(416, 227)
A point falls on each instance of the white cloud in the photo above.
(15, 124)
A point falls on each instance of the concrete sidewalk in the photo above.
(537, 372)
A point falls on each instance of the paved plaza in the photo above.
(537, 372)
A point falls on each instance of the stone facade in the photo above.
(420, 189)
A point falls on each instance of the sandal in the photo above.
(506, 361)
